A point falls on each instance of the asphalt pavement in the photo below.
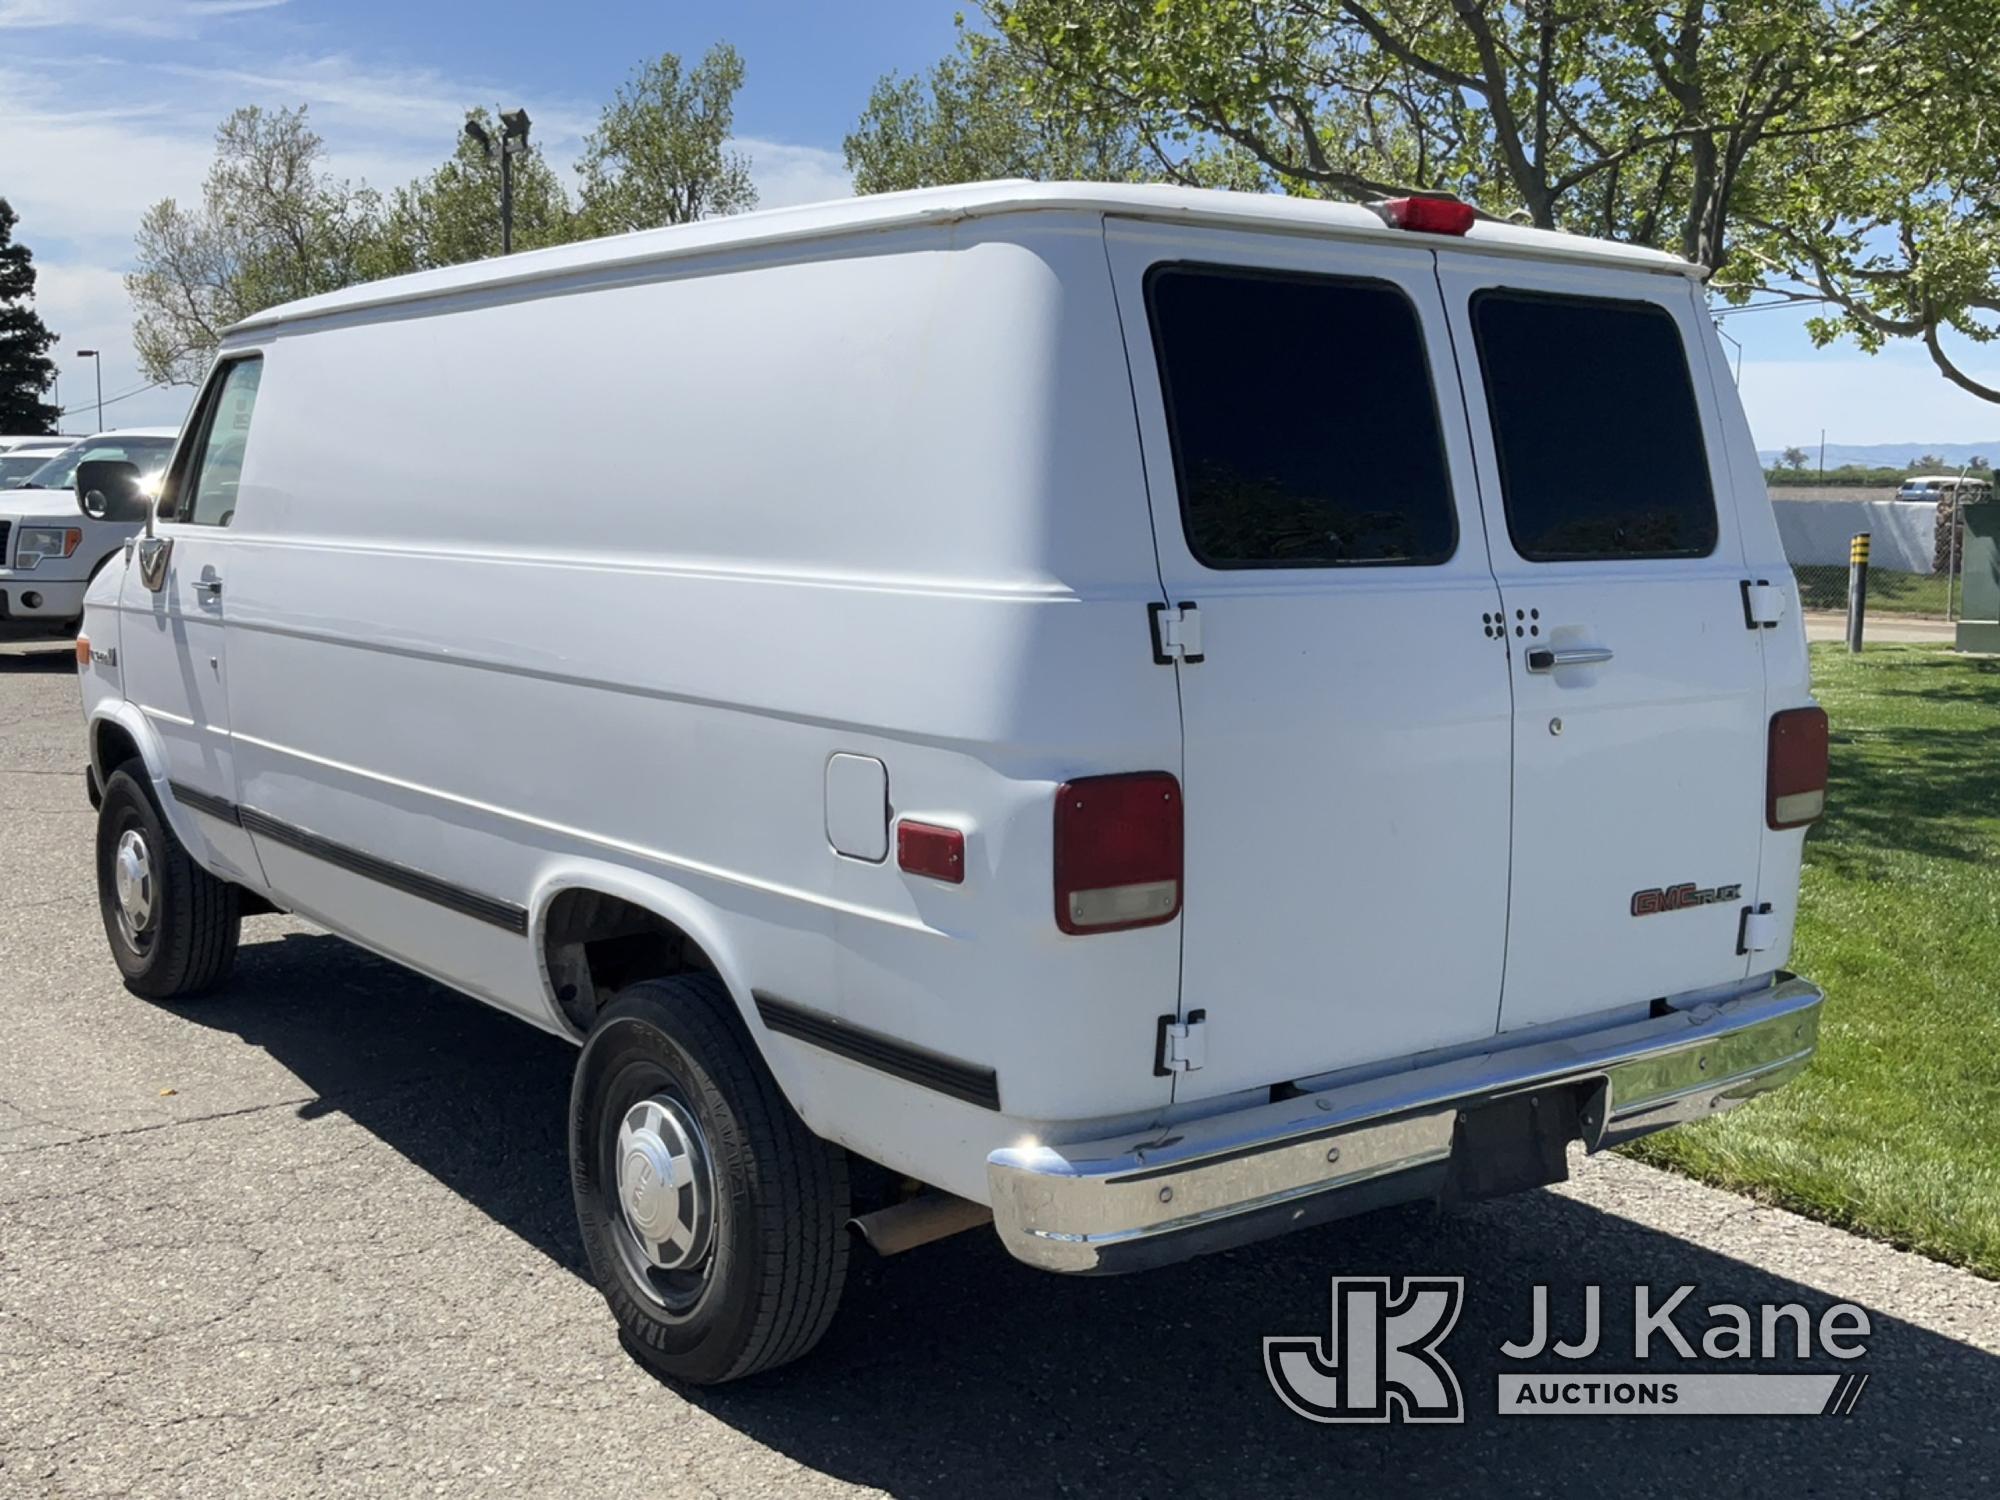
(312, 1236)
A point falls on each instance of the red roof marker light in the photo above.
(1428, 215)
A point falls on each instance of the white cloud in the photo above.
(787, 174)
(145, 18)
(405, 105)
(89, 174)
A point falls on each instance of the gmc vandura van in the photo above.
(1162, 716)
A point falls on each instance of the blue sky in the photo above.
(108, 105)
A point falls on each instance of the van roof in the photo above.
(945, 205)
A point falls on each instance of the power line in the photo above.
(112, 400)
(1748, 307)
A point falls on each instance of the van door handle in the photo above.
(1548, 658)
(209, 586)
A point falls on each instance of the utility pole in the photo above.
(92, 356)
(513, 141)
(1822, 455)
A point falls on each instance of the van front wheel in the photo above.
(173, 926)
(713, 1218)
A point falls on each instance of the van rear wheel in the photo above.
(713, 1218)
(173, 926)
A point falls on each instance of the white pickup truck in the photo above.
(1162, 716)
(50, 548)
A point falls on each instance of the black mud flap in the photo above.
(1511, 1145)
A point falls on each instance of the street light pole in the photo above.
(513, 140)
(506, 201)
(98, 364)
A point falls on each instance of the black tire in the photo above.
(775, 1227)
(186, 946)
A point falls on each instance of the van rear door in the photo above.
(1640, 731)
(1346, 730)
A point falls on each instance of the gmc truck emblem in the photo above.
(1679, 897)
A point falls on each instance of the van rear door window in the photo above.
(1304, 423)
(1595, 426)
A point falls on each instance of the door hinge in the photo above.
(1758, 930)
(1176, 632)
(1183, 1045)
(1763, 604)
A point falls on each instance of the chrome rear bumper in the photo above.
(1185, 1189)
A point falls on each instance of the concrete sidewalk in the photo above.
(1915, 630)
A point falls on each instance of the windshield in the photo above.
(15, 467)
(59, 473)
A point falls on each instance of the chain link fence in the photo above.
(1916, 556)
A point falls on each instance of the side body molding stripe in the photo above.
(507, 915)
(202, 802)
(886, 1054)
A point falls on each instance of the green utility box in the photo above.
(1979, 606)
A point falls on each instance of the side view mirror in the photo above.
(107, 489)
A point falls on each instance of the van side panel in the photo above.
(525, 586)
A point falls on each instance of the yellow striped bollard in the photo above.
(1857, 588)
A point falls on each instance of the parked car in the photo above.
(991, 715)
(49, 548)
(20, 457)
(1931, 488)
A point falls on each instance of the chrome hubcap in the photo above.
(666, 1187)
(132, 882)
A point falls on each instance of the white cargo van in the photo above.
(1165, 716)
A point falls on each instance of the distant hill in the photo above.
(1889, 455)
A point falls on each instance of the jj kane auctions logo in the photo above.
(1381, 1360)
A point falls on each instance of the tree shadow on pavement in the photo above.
(954, 1371)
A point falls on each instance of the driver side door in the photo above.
(173, 637)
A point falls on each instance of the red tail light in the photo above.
(1118, 852)
(1428, 215)
(1795, 783)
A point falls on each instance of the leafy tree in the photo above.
(1894, 229)
(453, 214)
(658, 155)
(978, 114)
(1795, 458)
(1978, 465)
(1621, 118)
(1927, 463)
(271, 226)
(25, 366)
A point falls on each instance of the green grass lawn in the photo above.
(1895, 1131)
